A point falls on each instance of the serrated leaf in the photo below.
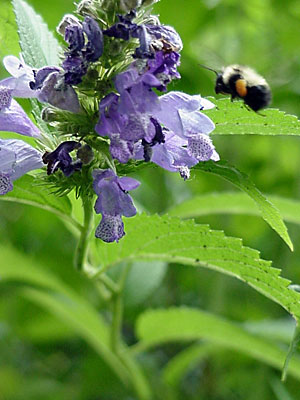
(233, 118)
(27, 191)
(234, 203)
(39, 46)
(155, 327)
(173, 240)
(268, 211)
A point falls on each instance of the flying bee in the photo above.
(243, 82)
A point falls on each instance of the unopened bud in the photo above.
(85, 154)
(128, 5)
(67, 20)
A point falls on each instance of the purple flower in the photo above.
(51, 88)
(113, 202)
(85, 46)
(16, 159)
(126, 119)
(61, 159)
(21, 77)
(13, 118)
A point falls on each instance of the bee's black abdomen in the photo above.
(258, 97)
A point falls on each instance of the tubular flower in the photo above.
(113, 202)
(16, 159)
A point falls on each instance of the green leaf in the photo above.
(156, 327)
(233, 118)
(269, 213)
(186, 360)
(61, 301)
(39, 46)
(26, 191)
(142, 280)
(234, 203)
(170, 239)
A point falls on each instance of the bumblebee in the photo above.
(243, 82)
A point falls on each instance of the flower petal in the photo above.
(14, 119)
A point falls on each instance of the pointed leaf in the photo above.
(268, 211)
(39, 46)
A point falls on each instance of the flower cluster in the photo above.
(129, 121)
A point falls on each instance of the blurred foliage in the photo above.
(40, 358)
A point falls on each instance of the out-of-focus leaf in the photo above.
(185, 360)
(156, 327)
(62, 302)
(27, 191)
(143, 278)
(234, 203)
(268, 211)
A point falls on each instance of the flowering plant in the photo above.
(102, 112)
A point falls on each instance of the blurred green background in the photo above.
(39, 357)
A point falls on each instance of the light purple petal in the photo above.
(206, 104)
(16, 67)
(128, 184)
(14, 119)
(64, 98)
(195, 122)
(181, 100)
(17, 158)
(7, 157)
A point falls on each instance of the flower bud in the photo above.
(128, 5)
(85, 154)
(67, 20)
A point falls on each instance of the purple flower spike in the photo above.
(61, 159)
(113, 202)
(14, 118)
(16, 159)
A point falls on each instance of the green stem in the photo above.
(117, 311)
(82, 246)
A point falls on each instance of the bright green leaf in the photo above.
(173, 240)
(156, 327)
(268, 211)
(233, 118)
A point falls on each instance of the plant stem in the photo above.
(117, 311)
(82, 246)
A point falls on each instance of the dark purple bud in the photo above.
(61, 159)
(76, 68)
(94, 47)
(75, 38)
